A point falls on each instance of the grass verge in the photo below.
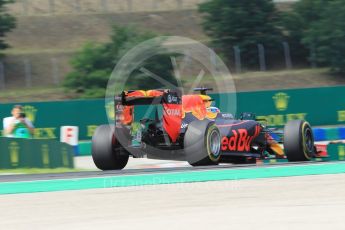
(246, 81)
(34, 94)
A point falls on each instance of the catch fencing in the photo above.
(51, 71)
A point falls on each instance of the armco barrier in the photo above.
(341, 133)
(319, 106)
(30, 153)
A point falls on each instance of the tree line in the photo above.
(315, 30)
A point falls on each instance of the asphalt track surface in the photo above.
(306, 202)
(125, 172)
(297, 202)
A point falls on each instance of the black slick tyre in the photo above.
(107, 153)
(298, 141)
(202, 143)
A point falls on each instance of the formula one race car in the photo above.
(188, 128)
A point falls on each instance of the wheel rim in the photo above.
(309, 142)
(214, 143)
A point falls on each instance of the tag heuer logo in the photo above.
(281, 101)
(30, 112)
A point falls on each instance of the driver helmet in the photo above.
(212, 112)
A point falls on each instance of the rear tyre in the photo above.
(298, 141)
(107, 153)
(202, 143)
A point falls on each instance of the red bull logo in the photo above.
(240, 140)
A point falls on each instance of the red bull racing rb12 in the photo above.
(189, 128)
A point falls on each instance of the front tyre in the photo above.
(202, 143)
(107, 153)
(298, 141)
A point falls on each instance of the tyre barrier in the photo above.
(329, 134)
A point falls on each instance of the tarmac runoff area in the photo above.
(303, 202)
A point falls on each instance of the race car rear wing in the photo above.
(149, 97)
(171, 101)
